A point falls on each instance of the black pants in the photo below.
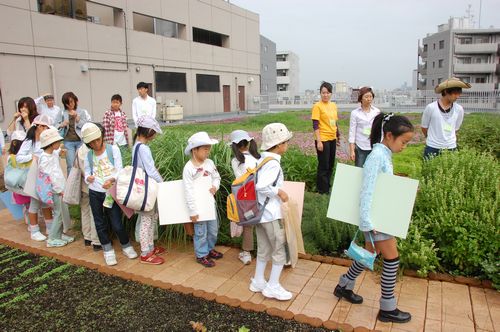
(326, 162)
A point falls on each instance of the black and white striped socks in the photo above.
(388, 283)
(347, 280)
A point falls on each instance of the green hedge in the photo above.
(482, 132)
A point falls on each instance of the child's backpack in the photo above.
(90, 157)
(243, 207)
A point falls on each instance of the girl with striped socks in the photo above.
(389, 134)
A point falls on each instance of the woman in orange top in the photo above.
(326, 133)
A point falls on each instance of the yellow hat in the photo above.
(451, 83)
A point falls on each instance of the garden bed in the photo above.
(39, 293)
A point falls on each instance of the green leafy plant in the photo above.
(418, 253)
(482, 132)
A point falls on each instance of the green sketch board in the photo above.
(392, 203)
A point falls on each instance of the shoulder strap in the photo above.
(132, 178)
(90, 158)
(109, 151)
(265, 161)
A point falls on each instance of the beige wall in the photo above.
(30, 42)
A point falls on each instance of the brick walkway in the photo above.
(435, 305)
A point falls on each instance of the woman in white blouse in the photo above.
(360, 126)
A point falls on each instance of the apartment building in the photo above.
(267, 66)
(202, 54)
(287, 75)
(458, 50)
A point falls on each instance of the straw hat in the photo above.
(49, 136)
(90, 132)
(451, 83)
(199, 139)
(274, 134)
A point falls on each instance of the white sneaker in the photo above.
(37, 236)
(129, 252)
(56, 243)
(257, 287)
(245, 257)
(67, 238)
(110, 257)
(277, 292)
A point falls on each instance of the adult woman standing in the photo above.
(73, 120)
(360, 126)
(23, 118)
(326, 134)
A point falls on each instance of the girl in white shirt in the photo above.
(360, 126)
(147, 128)
(246, 156)
(50, 166)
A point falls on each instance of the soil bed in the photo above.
(38, 293)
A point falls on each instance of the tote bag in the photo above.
(134, 188)
(15, 174)
(72, 191)
(30, 185)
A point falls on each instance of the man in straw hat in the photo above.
(442, 118)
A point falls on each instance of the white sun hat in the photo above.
(149, 122)
(239, 135)
(18, 135)
(90, 132)
(199, 139)
(274, 134)
(49, 136)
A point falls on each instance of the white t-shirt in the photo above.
(103, 169)
(119, 137)
(54, 113)
(441, 126)
(240, 168)
(142, 107)
(360, 126)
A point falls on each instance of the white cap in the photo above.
(147, 121)
(49, 136)
(274, 134)
(240, 135)
(90, 132)
(18, 135)
(199, 139)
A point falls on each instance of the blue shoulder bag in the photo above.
(360, 254)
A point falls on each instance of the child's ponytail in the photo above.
(388, 122)
(236, 151)
(254, 150)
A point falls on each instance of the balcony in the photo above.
(422, 69)
(422, 52)
(483, 86)
(283, 80)
(422, 84)
(283, 65)
(482, 48)
(475, 68)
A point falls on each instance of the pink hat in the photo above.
(43, 120)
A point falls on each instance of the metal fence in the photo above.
(407, 101)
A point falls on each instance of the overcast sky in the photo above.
(362, 42)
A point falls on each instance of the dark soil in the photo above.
(42, 294)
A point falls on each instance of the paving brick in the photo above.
(456, 302)
(451, 326)
(204, 281)
(362, 315)
(433, 311)
(298, 303)
(432, 325)
(294, 282)
(480, 309)
(415, 287)
(322, 271)
(311, 286)
(416, 306)
(225, 287)
(434, 291)
(340, 311)
(493, 300)
(240, 291)
(383, 326)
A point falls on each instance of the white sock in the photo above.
(274, 279)
(260, 267)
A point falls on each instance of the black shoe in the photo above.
(87, 243)
(97, 247)
(347, 294)
(394, 316)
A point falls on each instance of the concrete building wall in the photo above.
(96, 61)
(267, 66)
(288, 74)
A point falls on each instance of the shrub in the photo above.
(418, 253)
(321, 234)
(481, 132)
(458, 209)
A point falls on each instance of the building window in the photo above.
(281, 57)
(433, 64)
(170, 82)
(432, 82)
(158, 26)
(441, 44)
(434, 46)
(210, 37)
(207, 83)
(440, 80)
(282, 87)
(266, 67)
(68, 8)
(281, 72)
(465, 40)
(480, 79)
(425, 47)
(265, 48)
(440, 63)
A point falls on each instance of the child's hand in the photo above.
(194, 219)
(283, 195)
(108, 184)
(91, 179)
(213, 190)
(65, 123)
(62, 153)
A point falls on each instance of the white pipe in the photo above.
(52, 72)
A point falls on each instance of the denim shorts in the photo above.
(377, 237)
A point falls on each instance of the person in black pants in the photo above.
(324, 117)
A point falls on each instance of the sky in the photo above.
(361, 42)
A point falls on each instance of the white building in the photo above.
(203, 53)
(287, 75)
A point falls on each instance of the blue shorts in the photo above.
(377, 237)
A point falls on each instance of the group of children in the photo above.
(100, 163)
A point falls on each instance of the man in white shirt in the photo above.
(143, 104)
(45, 105)
(442, 119)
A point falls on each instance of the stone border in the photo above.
(209, 296)
(469, 281)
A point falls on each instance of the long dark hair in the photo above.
(15, 145)
(252, 149)
(144, 132)
(395, 124)
(31, 106)
(31, 134)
